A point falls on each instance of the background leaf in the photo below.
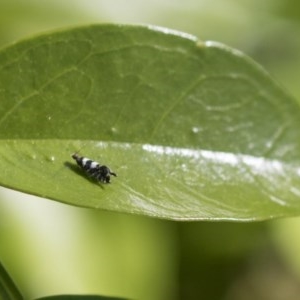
(8, 290)
(194, 130)
(80, 297)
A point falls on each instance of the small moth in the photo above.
(94, 169)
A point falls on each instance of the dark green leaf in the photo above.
(79, 297)
(194, 130)
(8, 290)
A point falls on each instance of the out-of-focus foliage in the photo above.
(19, 18)
(8, 289)
(51, 249)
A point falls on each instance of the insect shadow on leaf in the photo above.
(80, 172)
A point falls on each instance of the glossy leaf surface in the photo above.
(194, 130)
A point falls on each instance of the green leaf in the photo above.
(79, 297)
(8, 290)
(194, 130)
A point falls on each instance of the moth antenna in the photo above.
(75, 154)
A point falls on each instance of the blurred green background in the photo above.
(50, 248)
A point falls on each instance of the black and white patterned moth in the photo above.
(94, 169)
